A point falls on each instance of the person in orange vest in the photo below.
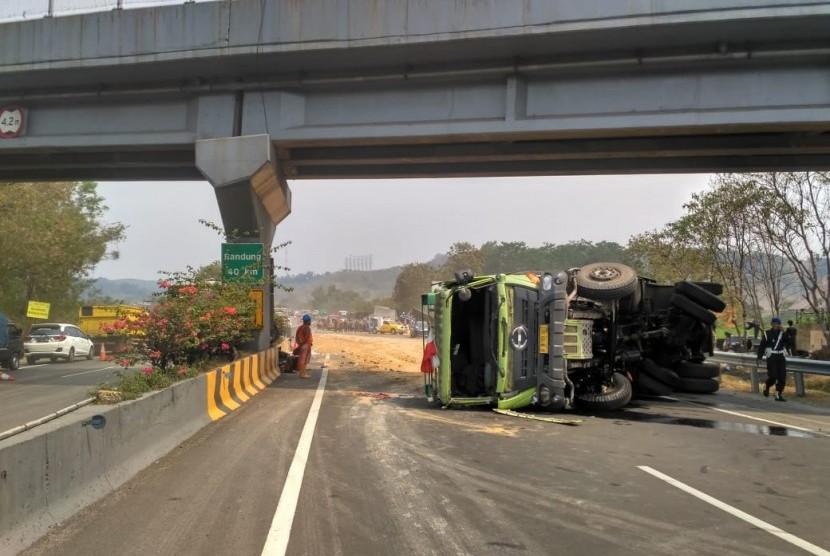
(303, 339)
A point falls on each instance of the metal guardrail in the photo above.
(796, 365)
(35, 9)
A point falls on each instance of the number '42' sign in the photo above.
(11, 122)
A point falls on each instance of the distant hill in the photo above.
(126, 290)
(370, 284)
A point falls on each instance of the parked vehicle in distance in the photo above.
(93, 320)
(12, 352)
(419, 330)
(57, 341)
(390, 327)
(740, 344)
(587, 338)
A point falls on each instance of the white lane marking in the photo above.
(760, 524)
(277, 541)
(744, 415)
(92, 371)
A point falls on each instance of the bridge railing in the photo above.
(34, 9)
(797, 365)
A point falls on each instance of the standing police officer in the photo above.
(774, 343)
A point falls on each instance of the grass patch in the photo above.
(816, 388)
(133, 385)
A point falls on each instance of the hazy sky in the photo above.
(394, 221)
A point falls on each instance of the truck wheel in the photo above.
(612, 396)
(652, 387)
(606, 281)
(698, 385)
(662, 374)
(688, 306)
(711, 287)
(700, 296)
(697, 370)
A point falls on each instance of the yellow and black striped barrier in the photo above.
(234, 384)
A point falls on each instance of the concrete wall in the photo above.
(53, 471)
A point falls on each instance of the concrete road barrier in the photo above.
(49, 473)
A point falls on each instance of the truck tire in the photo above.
(700, 296)
(690, 307)
(606, 281)
(698, 385)
(661, 374)
(618, 396)
(651, 387)
(711, 287)
(697, 370)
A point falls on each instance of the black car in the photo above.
(12, 352)
(740, 344)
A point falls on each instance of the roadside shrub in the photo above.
(133, 385)
(191, 323)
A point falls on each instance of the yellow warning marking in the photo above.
(224, 388)
(254, 363)
(237, 383)
(212, 386)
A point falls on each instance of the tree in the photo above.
(413, 280)
(51, 237)
(461, 256)
(330, 299)
(507, 256)
(796, 219)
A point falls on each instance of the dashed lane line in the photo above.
(752, 520)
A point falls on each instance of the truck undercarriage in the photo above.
(594, 338)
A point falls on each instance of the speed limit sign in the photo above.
(11, 122)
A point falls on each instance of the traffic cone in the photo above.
(103, 351)
(4, 376)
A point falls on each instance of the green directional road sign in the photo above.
(242, 262)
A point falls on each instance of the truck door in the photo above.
(522, 338)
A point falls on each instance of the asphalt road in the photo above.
(378, 471)
(44, 388)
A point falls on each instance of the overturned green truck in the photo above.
(587, 338)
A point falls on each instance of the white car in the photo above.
(56, 341)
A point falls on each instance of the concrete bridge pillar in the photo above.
(253, 198)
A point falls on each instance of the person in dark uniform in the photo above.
(774, 343)
(791, 332)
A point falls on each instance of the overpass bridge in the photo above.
(252, 93)
(396, 89)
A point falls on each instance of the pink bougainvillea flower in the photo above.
(155, 354)
(124, 363)
(230, 310)
(225, 347)
(164, 284)
(182, 370)
(148, 370)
